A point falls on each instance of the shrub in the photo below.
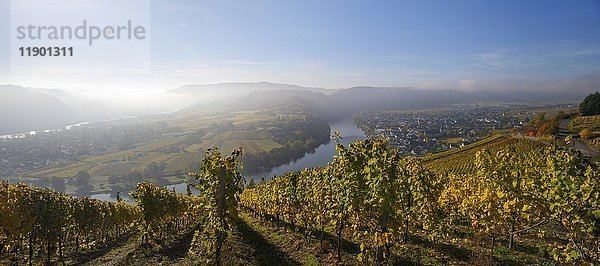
(585, 133)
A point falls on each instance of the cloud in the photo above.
(467, 84)
(584, 83)
(463, 84)
(548, 60)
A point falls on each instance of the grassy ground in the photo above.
(251, 242)
(293, 246)
(290, 246)
(172, 250)
(462, 160)
(523, 112)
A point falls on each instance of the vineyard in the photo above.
(41, 222)
(463, 162)
(472, 146)
(508, 201)
(515, 189)
(591, 122)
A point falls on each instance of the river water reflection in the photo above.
(322, 154)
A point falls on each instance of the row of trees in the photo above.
(380, 199)
(41, 221)
(212, 212)
(516, 191)
(540, 127)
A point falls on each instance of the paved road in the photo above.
(582, 147)
(578, 144)
(564, 125)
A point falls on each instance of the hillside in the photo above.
(226, 93)
(243, 88)
(333, 104)
(317, 102)
(320, 216)
(461, 160)
(44, 111)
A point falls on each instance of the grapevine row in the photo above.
(164, 211)
(378, 199)
(464, 162)
(49, 221)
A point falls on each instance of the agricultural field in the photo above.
(528, 112)
(249, 117)
(176, 153)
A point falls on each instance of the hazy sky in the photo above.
(329, 44)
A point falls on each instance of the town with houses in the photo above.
(421, 132)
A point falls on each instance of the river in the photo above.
(322, 154)
(112, 197)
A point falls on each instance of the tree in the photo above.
(82, 181)
(590, 105)
(535, 123)
(58, 184)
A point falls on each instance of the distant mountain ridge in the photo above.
(23, 109)
(369, 98)
(230, 91)
(246, 87)
(347, 101)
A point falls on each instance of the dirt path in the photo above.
(289, 248)
(118, 254)
(246, 246)
(585, 150)
(170, 251)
